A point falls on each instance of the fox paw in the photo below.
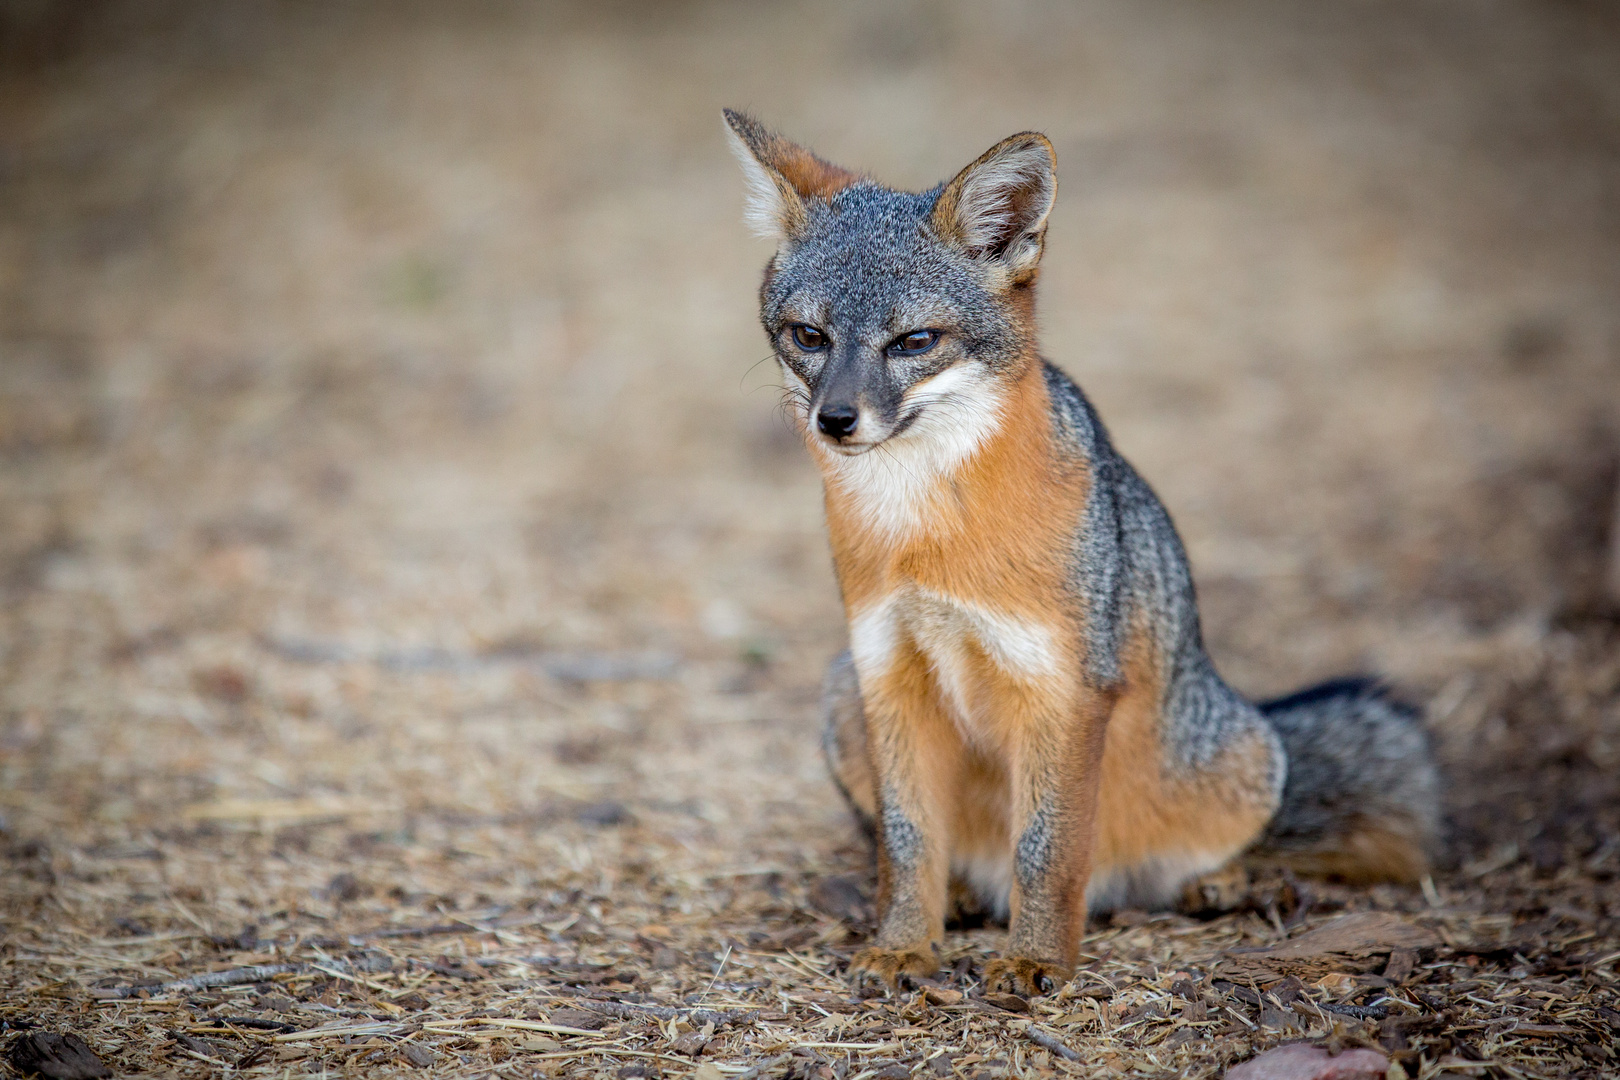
(888, 969)
(1024, 977)
(1217, 891)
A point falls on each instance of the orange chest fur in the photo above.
(997, 530)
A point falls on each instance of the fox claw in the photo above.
(1024, 977)
(875, 970)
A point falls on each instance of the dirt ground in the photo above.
(412, 606)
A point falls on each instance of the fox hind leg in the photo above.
(844, 742)
(1176, 811)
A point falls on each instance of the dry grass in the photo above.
(404, 608)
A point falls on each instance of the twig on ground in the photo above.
(253, 973)
(214, 1023)
(1044, 1038)
(718, 969)
(340, 1029)
(630, 1011)
(505, 1022)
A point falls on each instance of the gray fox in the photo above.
(1026, 713)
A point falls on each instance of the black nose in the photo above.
(837, 420)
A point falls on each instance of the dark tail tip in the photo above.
(1355, 687)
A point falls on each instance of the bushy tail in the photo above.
(1362, 797)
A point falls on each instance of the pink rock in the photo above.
(1303, 1062)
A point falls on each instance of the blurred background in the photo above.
(387, 473)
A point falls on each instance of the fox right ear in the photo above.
(996, 208)
(782, 176)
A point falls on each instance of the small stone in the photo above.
(1304, 1062)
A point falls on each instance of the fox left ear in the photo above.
(996, 208)
(782, 176)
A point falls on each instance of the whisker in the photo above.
(751, 367)
(901, 465)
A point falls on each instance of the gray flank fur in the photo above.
(1129, 568)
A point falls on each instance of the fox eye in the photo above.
(914, 343)
(809, 338)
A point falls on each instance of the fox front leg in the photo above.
(1051, 865)
(912, 882)
(913, 867)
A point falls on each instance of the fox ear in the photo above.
(996, 208)
(782, 177)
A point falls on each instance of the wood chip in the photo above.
(1349, 943)
(1009, 1002)
(56, 1057)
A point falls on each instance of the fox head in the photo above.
(900, 319)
